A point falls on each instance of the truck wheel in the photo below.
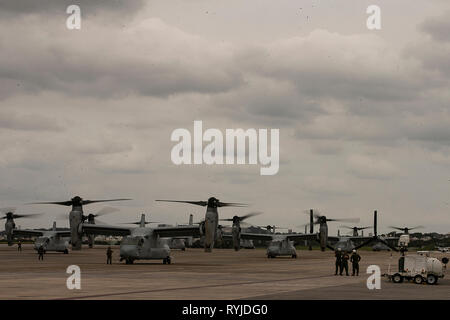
(418, 279)
(431, 279)
(397, 278)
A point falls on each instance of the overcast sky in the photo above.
(363, 115)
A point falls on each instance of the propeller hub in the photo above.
(213, 202)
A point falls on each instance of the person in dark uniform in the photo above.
(19, 246)
(354, 259)
(41, 253)
(345, 258)
(338, 255)
(109, 253)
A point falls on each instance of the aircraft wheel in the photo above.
(294, 256)
(168, 260)
(397, 278)
(66, 251)
(164, 261)
(431, 279)
(418, 279)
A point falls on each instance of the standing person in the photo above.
(354, 259)
(19, 246)
(109, 253)
(41, 253)
(338, 255)
(345, 258)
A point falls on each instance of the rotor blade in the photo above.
(106, 210)
(61, 203)
(31, 215)
(356, 220)
(365, 243)
(7, 210)
(109, 200)
(226, 219)
(346, 227)
(418, 227)
(397, 228)
(198, 203)
(316, 213)
(387, 244)
(231, 204)
(96, 221)
(251, 214)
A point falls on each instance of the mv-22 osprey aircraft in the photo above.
(147, 243)
(10, 225)
(49, 240)
(283, 244)
(76, 217)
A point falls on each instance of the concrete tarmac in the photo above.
(194, 274)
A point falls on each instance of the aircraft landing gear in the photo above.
(66, 251)
(129, 261)
(167, 260)
(294, 256)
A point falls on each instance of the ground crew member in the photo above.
(109, 253)
(345, 258)
(354, 259)
(19, 246)
(41, 253)
(338, 255)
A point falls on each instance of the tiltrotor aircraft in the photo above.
(52, 240)
(142, 243)
(10, 225)
(375, 238)
(209, 227)
(283, 244)
(236, 228)
(76, 216)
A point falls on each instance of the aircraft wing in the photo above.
(177, 232)
(307, 236)
(63, 234)
(257, 236)
(106, 230)
(27, 233)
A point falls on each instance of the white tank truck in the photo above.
(419, 267)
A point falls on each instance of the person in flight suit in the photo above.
(338, 255)
(41, 253)
(354, 259)
(109, 253)
(345, 258)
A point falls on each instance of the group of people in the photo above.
(342, 259)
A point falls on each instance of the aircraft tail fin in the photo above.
(54, 225)
(191, 219)
(142, 223)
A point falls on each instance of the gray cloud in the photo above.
(363, 116)
(437, 27)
